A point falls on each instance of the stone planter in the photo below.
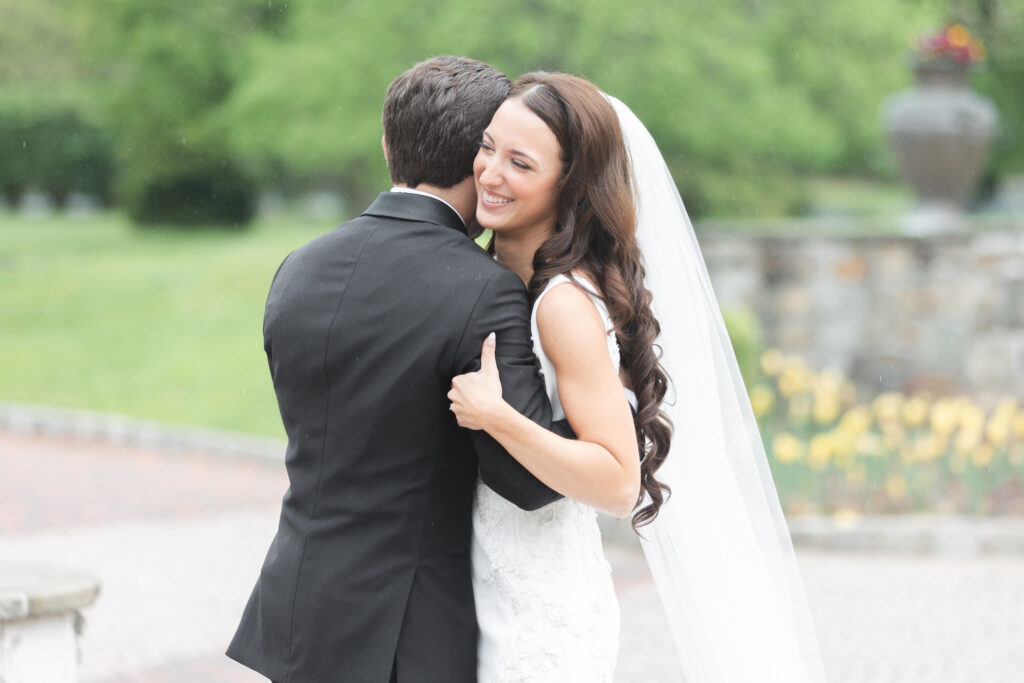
(940, 131)
(40, 622)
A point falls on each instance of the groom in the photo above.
(368, 577)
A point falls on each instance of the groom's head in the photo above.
(434, 115)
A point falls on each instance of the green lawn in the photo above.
(162, 324)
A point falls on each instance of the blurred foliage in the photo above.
(51, 148)
(747, 98)
(52, 135)
(40, 44)
(745, 335)
(832, 451)
(202, 191)
(1000, 25)
(742, 97)
(171, 66)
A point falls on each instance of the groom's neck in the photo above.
(461, 196)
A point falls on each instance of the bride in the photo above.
(555, 181)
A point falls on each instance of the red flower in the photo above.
(954, 43)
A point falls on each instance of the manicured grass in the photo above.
(163, 324)
(858, 197)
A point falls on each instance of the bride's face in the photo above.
(517, 171)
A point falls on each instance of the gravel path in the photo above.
(178, 541)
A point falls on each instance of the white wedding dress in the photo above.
(719, 550)
(543, 588)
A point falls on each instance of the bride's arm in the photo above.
(602, 467)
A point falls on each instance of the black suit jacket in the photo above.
(364, 329)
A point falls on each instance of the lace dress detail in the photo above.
(544, 596)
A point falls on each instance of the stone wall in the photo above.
(943, 313)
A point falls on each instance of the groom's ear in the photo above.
(384, 146)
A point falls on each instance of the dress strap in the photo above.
(586, 285)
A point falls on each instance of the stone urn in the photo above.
(940, 131)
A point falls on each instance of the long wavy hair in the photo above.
(595, 233)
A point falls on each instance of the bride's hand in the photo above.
(476, 396)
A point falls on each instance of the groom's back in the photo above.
(363, 330)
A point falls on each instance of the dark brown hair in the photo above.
(434, 115)
(595, 233)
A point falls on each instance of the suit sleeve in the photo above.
(503, 309)
(266, 307)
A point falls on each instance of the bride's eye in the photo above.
(484, 145)
(520, 165)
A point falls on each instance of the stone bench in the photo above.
(40, 621)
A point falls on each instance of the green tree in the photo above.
(1000, 25)
(743, 97)
(169, 68)
(51, 134)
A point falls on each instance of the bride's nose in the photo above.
(489, 174)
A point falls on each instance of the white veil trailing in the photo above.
(719, 550)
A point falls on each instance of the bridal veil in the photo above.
(719, 551)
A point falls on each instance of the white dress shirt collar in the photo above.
(409, 190)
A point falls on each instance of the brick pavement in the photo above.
(53, 482)
(178, 539)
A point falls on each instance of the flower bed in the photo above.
(832, 452)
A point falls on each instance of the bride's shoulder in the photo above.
(567, 311)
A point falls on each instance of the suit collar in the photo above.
(415, 207)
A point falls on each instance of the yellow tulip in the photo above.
(855, 421)
(915, 412)
(1007, 408)
(963, 402)
(997, 431)
(844, 448)
(820, 451)
(969, 415)
(794, 379)
(929, 448)
(943, 416)
(762, 400)
(887, 406)
(787, 448)
(972, 419)
(772, 361)
(893, 435)
(870, 444)
(1018, 426)
(967, 440)
(830, 380)
(826, 408)
(982, 456)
